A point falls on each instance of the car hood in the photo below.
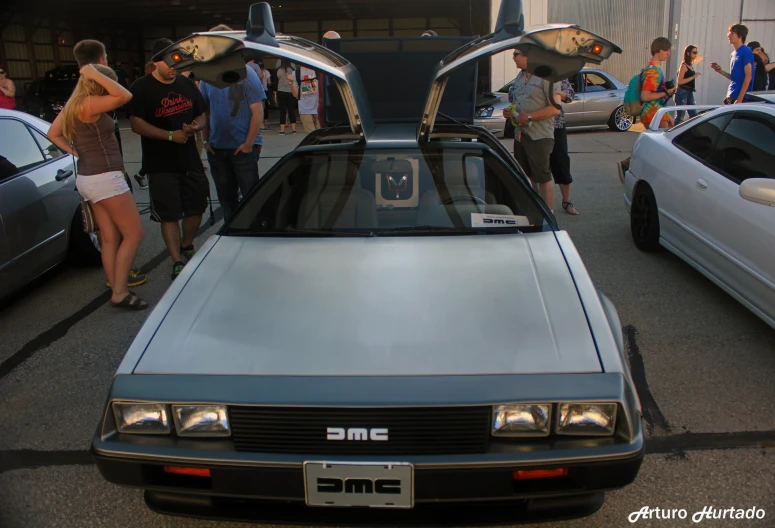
(378, 306)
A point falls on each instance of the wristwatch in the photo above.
(529, 120)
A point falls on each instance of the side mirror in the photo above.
(758, 190)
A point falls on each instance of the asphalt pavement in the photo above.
(702, 363)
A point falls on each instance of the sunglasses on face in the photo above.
(2, 72)
(517, 54)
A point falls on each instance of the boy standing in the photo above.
(741, 65)
(654, 94)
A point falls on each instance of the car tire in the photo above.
(644, 219)
(84, 247)
(620, 120)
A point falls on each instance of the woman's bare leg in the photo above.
(122, 214)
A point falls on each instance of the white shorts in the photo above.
(100, 186)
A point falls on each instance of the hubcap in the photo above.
(623, 119)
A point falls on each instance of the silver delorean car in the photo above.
(390, 330)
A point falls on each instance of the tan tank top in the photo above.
(97, 147)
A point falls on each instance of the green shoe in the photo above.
(188, 252)
(176, 269)
(135, 279)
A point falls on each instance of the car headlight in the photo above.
(201, 420)
(589, 419)
(141, 418)
(485, 111)
(532, 419)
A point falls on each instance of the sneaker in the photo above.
(622, 167)
(135, 278)
(176, 269)
(187, 252)
(141, 180)
(281, 133)
(293, 132)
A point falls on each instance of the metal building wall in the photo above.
(704, 23)
(632, 25)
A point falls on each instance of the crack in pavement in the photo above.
(60, 329)
(651, 412)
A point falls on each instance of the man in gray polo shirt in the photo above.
(533, 117)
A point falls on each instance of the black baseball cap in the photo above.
(159, 46)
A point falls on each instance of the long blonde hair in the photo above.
(83, 89)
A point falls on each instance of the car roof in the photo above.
(763, 96)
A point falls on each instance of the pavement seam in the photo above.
(60, 329)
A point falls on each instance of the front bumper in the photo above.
(495, 124)
(462, 495)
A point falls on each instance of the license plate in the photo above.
(386, 485)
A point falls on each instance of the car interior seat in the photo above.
(335, 199)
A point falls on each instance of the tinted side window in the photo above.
(50, 151)
(597, 83)
(700, 139)
(746, 148)
(18, 151)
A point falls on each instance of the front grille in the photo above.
(412, 430)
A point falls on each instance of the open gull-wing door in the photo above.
(219, 58)
(554, 51)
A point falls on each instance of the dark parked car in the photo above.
(45, 97)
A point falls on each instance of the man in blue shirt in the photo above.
(232, 138)
(741, 65)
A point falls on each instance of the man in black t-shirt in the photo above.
(167, 110)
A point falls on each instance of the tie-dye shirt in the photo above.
(653, 81)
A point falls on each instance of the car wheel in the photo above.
(84, 247)
(620, 120)
(644, 219)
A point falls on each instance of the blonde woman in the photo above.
(84, 129)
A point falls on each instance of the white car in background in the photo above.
(705, 190)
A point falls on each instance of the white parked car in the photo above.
(705, 190)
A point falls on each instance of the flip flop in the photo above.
(131, 302)
(568, 206)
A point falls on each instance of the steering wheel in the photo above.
(468, 198)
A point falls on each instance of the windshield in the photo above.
(450, 189)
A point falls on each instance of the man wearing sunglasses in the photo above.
(534, 104)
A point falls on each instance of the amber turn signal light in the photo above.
(526, 474)
(597, 48)
(190, 471)
(177, 57)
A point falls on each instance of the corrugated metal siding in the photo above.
(502, 68)
(759, 18)
(704, 23)
(631, 25)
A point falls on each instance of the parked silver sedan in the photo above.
(40, 212)
(598, 103)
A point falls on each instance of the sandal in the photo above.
(131, 302)
(568, 206)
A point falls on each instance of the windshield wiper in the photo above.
(291, 232)
(427, 229)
